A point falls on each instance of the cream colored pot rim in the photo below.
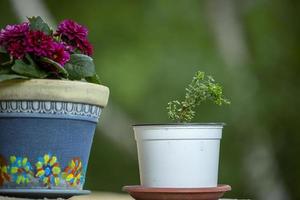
(54, 90)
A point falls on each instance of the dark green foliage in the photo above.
(5, 59)
(5, 77)
(29, 68)
(80, 66)
(202, 88)
(5, 70)
(38, 24)
(60, 69)
(2, 50)
(93, 79)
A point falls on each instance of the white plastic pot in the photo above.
(178, 155)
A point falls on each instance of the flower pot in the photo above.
(178, 155)
(46, 132)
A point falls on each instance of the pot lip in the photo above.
(54, 90)
(217, 124)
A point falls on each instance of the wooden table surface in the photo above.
(93, 196)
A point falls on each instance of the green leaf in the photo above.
(5, 77)
(30, 70)
(80, 66)
(93, 79)
(2, 50)
(5, 59)
(5, 70)
(57, 66)
(38, 24)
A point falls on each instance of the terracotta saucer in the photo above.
(148, 193)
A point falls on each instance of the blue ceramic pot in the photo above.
(45, 140)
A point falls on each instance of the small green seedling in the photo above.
(202, 88)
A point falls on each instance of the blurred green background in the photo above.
(147, 51)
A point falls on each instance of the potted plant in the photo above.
(183, 154)
(50, 103)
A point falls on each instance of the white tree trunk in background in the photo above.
(259, 162)
(29, 8)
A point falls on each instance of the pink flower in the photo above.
(86, 47)
(12, 38)
(39, 44)
(72, 30)
(59, 53)
(68, 47)
(75, 35)
(17, 49)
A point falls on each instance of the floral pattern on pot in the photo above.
(20, 170)
(4, 176)
(46, 173)
(48, 170)
(73, 173)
